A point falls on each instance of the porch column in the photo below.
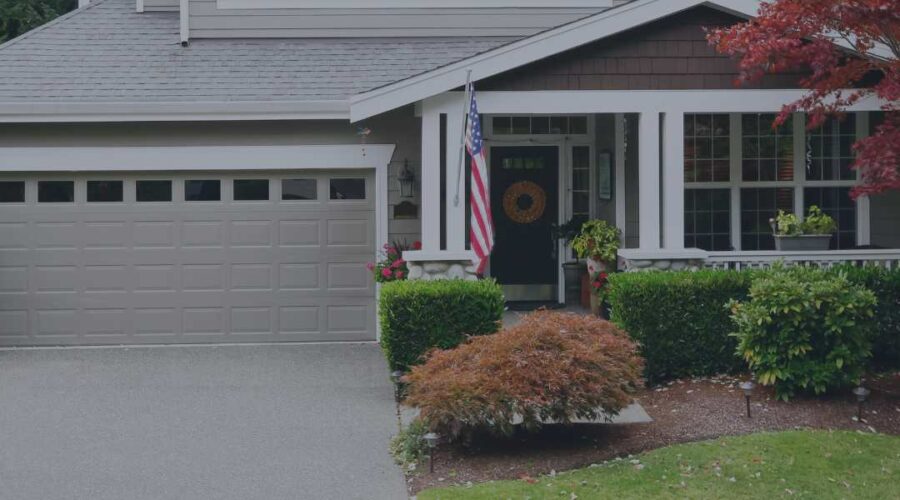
(673, 181)
(648, 173)
(456, 180)
(431, 179)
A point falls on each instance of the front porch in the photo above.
(691, 178)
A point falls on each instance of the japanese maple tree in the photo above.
(839, 44)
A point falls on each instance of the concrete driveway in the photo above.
(257, 422)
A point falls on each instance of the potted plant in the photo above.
(598, 242)
(392, 267)
(812, 233)
(572, 270)
(599, 289)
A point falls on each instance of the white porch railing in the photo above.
(889, 259)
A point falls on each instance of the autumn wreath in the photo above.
(524, 202)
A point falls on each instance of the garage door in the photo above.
(186, 258)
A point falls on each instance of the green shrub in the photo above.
(409, 446)
(680, 319)
(417, 316)
(804, 329)
(885, 284)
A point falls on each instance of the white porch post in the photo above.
(431, 182)
(673, 180)
(456, 212)
(649, 179)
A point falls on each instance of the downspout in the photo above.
(185, 22)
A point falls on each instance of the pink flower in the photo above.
(399, 275)
(386, 273)
(370, 266)
(398, 263)
(391, 251)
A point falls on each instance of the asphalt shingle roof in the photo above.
(107, 52)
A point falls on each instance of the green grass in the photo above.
(802, 464)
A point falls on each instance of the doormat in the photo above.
(533, 305)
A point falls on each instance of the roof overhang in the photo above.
(172, 111)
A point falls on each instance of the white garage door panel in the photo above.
(187, 272)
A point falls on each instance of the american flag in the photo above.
(482, 223)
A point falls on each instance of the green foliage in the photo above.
(417, 316)
(805, 329)
(885, 284)
(19, 16)
(408, 447)
(597, 240)
(680, 319)
(787, 224)
(818, 222)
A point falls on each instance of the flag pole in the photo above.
(462, 137)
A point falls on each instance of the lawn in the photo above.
(798, 464)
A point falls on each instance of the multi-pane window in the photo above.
(836, 202)
(829, 150)
(707, 148)
(707, 219)
(581, 183)
(758, 207)
(768, 153)
(540, 125)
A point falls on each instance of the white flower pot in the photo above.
(596, 266)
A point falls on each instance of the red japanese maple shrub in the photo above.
(550, 367)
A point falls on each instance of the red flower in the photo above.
(397, 263)
(386, 272)
(417, 245)
(399, 275)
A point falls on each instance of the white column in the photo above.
(649, 180)
(863, 206)
(456, 208)
(431, 179)
(673, 181)
(621, 222)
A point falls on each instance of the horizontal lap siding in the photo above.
(161, 5)
(670, 54)
(207, 21)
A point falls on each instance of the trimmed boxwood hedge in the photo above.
(683, 325)
(417, 316)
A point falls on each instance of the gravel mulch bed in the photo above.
(682, 411)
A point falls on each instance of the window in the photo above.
(299, 189)
(758, 206)
(56, 191)
(581, 183)
(707, 219)
(12, 192)
(153, 191)
(209, 190)
(540, 125)
(348, 189)
(104, 191)
(707, 148)
(836, 202)
(829, 150)
(768, 154)
(251, 189)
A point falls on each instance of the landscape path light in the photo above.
(748, 387)
(431, 440)
(861, 394)
(397, 378)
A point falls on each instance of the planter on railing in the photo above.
(802, 243)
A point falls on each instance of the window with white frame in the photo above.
(707, 153)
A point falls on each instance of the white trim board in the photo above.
(404, 4)
(129, 159)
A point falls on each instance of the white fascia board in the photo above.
(183, 158)
(515, 55)
(172, 111)
(404, 4)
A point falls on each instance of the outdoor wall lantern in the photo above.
(431, 440)
(748, 387)
(861, 394)
(407, 181)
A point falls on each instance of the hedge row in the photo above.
(417, 316)
(683, 325)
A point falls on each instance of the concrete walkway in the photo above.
(262, 422)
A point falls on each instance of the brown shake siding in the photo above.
(670, 54)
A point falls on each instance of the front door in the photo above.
(524, 201)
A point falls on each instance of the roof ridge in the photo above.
(47, 25)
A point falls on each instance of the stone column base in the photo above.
(663, 260)
(442, 270)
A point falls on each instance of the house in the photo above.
(193, 171)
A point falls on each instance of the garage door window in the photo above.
(299, 189)
(12, 192)
(251, 189)
(56, 191)
(348, 189)
(153, 191)
(202, 190)
(104, 191)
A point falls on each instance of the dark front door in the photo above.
(524, 201)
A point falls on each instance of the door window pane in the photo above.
(768, 154)
(202, 190)
(835, 202)
(707, 148)
(299, 189)
(829, 150)
(707, 219)
(12, 192)
(56, 191)
(154, 191)
(758, 206)
(104, 191)
(581, 183)
(251, 189)
(348, 189)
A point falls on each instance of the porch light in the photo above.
(748, 387)
(861, 394)
(407, 181)
(431, 440)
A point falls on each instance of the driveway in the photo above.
(256, 422)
